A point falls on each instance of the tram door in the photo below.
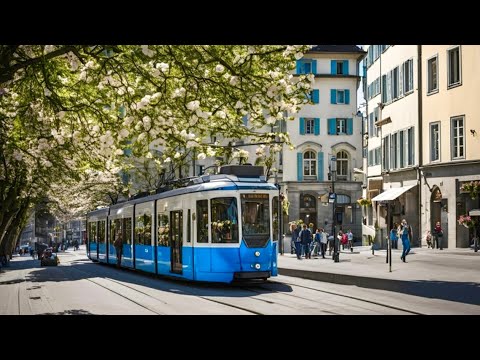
(176, 240)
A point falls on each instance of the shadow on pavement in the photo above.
(85, 269)
(464, 292)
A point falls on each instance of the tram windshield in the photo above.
(255, 219)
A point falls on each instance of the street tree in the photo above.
(69, 110)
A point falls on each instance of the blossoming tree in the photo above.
(67, 112)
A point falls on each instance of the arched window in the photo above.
(342, 165)
(309, 164)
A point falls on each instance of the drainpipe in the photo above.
(420, 136)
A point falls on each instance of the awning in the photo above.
(474, 212)
(393, 193)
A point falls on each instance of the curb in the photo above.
(344, 279)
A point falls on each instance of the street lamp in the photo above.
(333, 199)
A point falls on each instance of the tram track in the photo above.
(206, 298)
(330, 293)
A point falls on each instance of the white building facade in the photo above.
(393, 116)
(325, 131)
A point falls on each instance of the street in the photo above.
(79, 286)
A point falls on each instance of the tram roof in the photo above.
(206, 183)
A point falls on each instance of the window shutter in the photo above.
(347, 96)
(349, 126)
(314, 66)
(320, 166)
(299, 66)
(317, 126)
(345, 67)
(332, 126)
(299, 166)
(302, 126)
(316, 96)
(333, 96)
(333, 67)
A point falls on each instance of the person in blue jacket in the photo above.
(405, 234)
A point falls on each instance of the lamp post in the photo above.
(333, 175)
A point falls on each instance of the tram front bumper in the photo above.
(252, 275)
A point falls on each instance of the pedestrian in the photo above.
(405, 234)
(306, 239)
(318, 241)
(393, 236)
(350, 239)
(295, 243)
(118, 247)
(324, 241)
(438, 235)
(428, 238)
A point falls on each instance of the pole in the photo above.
(333, 170)
(280, 238)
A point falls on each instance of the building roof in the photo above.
(337, 49)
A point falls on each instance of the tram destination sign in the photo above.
(255, 196)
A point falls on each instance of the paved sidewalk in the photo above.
(449, 274)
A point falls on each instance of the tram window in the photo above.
(255, 215)
(163, 230)
(139, 228)
(92, 232)
(202, 221)
(189, 227)
(224, 220)
(143, 229)
(127, 230)
(101, 231)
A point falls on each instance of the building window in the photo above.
(342, 165)
(458, 137)
(341, 67)
(307, 201)
(410, 148)
(435, 141)
(341, 126)
(307, 66)
(309, 126)
(309, 164)
(432, 75)
(408, 76)
(454, 67)
(340, 96)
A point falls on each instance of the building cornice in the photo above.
(450, 163)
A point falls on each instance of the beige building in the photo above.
(451, 137)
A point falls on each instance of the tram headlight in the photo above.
(257, 253)
(257, 266)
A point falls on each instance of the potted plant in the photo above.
(466, 221)
(472, 188)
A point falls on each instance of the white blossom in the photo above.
(163, 67)
(219, 68)
(239, 105)
(234, 80)
(47, 92)
(201, 156)
(193, 105)
(119, 152)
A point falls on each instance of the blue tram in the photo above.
(217, 228)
